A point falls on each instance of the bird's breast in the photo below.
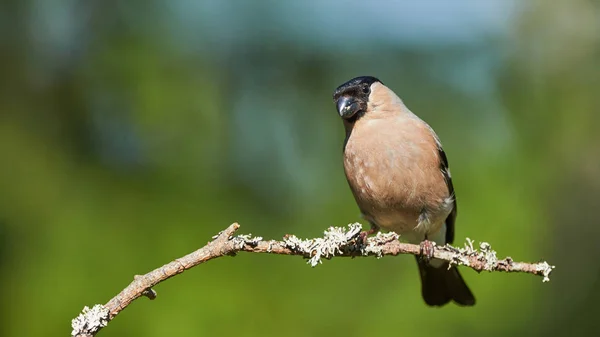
(376, 179)
(393, 177)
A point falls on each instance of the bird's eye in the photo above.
(366, 90)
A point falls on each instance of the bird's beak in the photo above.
(347, 106)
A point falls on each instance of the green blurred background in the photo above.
(132, 131)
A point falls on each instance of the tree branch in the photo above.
(337, 241)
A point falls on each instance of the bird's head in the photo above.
(352, 97)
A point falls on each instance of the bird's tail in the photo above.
(440, 285)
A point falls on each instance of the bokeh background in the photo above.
(131, 132)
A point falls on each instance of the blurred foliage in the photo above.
(128, 138)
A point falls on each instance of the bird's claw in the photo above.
(362, 236)
(427, 249)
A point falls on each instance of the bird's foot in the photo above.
(362, 236)
(427, 249)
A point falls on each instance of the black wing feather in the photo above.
(450, 220)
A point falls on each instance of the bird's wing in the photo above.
(447, 177)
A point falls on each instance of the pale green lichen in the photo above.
(334, 240)
(545, 269)
(90, 320)
(490, 260)
(485, 254)
(247, 239)
(375, 244)
(461, 255)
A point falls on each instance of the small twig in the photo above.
(337, 241)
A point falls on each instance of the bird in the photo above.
(398, 173)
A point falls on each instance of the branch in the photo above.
(337, 241)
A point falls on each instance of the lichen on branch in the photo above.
(336, 242)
